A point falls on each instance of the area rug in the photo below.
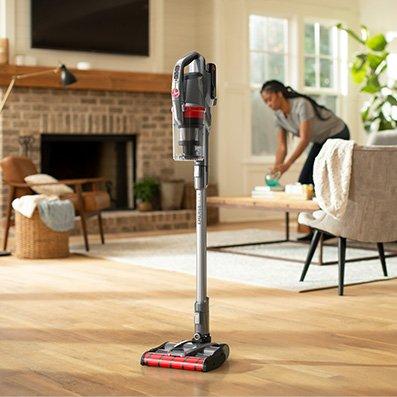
(176, 252)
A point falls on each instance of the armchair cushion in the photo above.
(96, 200)
(49, 190)
(321, 221)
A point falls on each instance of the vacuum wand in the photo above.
(201, 307)
(193, 95)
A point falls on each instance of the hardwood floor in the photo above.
(79, 326)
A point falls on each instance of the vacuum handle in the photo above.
(212, 71)
(178, 92)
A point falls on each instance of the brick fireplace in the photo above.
(38, 112)
(102, 106)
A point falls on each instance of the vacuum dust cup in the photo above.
(188, 141)
(193, 94)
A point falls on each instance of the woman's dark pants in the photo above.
(306, 175)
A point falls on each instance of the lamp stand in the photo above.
(24, 76)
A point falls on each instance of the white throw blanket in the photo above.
(331, 175)
(26, 205)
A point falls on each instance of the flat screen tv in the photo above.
(109, 26)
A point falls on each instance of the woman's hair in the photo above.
(288, 92)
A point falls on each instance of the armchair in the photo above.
(86, 203)
(371, 213)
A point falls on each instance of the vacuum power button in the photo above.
(176, 72)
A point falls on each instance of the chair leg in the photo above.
(7, 227)
(382, 258)
(79, 192)
(341, 263)
(312, 249)
(84, 227)
(7, 223)
(100, 225)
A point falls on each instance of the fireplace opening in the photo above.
(88, 156)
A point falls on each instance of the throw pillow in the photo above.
(49, 190)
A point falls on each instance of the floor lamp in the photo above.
(66, 78)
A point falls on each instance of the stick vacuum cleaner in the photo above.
(193, 95)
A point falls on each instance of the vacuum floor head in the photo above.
(187, 355)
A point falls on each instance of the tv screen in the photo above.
(111, 26)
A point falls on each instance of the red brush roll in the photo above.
(168, 361)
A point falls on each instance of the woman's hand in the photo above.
(280, 168)
(304, 140)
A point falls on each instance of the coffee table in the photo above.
(279, 202)
(282, 203)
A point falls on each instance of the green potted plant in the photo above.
(145, 192)
(368, 71)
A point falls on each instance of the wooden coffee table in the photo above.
(279, 202)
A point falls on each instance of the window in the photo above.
(322, 64)
(268, 43)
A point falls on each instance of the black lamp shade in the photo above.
(67, 77)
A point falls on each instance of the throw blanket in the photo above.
(26, 205)
(331, 175)
(56, 214)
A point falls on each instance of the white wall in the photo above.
(2, 18)
(7, 21)
(380, 17)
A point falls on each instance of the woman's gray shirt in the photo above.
(302, 110)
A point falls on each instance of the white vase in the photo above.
(172, 194)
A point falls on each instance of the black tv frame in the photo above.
(145, 53)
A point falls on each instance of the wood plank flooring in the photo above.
(79, 326)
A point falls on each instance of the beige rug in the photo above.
(177, 253)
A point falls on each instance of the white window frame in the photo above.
(339, 65)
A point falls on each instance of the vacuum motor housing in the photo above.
(193, 94)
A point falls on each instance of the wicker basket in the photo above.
(34, 240)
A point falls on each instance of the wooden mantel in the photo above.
(101, 80)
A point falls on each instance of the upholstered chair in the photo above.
(371, 213)
(382, 138)
(87, 203)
